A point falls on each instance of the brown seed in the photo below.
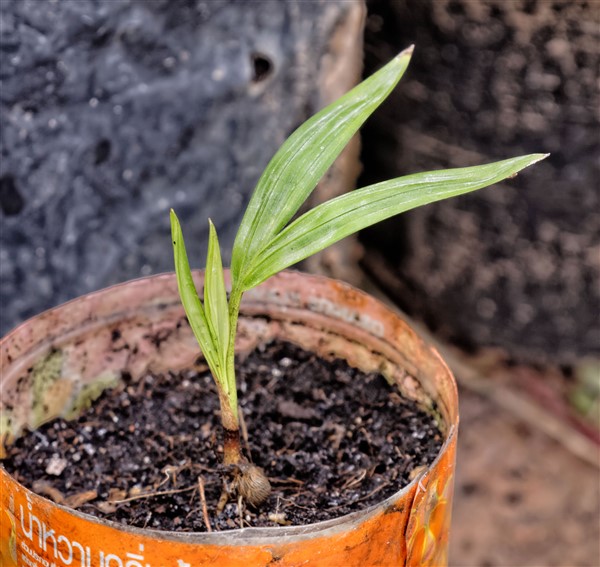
(253, 485)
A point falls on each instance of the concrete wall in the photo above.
(113, 111)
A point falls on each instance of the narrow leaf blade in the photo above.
(354, 211)
(302, 160)
(191, 301)
(215, 295)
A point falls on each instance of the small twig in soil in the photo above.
(73, 501)
(148, 518)
(276, 516)
(240, 503)
(196, 466)
(203, 502)
(76, 500)
(43, 488)
(365, 497)
(170, 472)
(375, 491)
(244, 432)
(356, 479)
(152, 494)
(286, 481)
(167, 472)
(292, 503)
(223, 498)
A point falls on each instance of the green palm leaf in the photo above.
(349, 213)
(302, 160)
(191, 301)
(268, 241)
(215, 296)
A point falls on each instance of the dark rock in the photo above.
(515, 266)
(112, 112)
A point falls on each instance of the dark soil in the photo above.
(331, 439)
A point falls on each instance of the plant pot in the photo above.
(56, 363)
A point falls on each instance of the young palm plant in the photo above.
(267, 242)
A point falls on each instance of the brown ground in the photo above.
(521, 499)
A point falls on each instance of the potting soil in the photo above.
(331, 439)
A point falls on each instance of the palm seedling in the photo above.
(268, 240)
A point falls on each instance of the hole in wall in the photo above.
(262, 67)
(11, 200)
(102, 152)
(185, 138)
(101, 37)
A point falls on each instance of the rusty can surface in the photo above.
(53, 364)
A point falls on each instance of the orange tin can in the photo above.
(55, 363)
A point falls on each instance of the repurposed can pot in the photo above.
(58, 362)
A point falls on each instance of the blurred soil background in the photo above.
(521, 498)
(114, 110)
(507, 279)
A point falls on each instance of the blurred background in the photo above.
(113, 111)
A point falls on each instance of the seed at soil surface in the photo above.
(253, 485)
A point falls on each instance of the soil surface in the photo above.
(331, 439)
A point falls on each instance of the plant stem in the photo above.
(235, 298)
(232, 448)
(229, 408)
